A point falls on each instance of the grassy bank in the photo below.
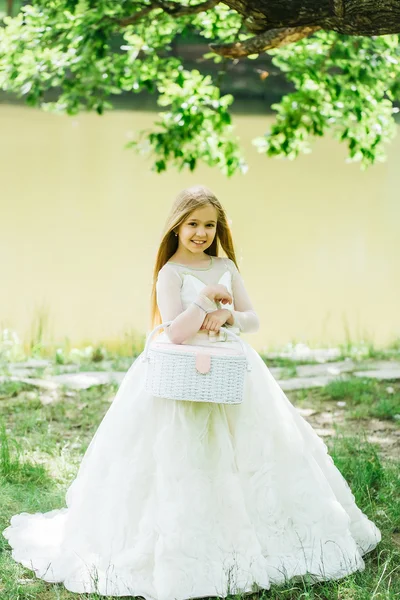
(120, 352)
(41, 446)
(360, 398)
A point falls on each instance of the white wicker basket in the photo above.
(195, 373)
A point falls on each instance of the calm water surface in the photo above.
(317, 240)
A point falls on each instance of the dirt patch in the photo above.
(384, 433)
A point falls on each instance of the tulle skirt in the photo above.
(176, 500)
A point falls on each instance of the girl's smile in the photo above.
(196, 233)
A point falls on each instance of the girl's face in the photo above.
(198, 230)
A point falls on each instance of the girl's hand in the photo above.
(218, 293)
(214, 320)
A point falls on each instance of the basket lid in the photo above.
(197, 350)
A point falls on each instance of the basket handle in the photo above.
(166, 323)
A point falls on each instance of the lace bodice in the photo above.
(180, 298)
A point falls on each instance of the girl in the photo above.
(178, 499)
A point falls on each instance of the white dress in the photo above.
(177, 499)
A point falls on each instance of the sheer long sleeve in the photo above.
(185, 323)
(244, 315)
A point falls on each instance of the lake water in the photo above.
(317, 240)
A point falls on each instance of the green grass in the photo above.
(284, 362)
(11, 389)
(368, 350)
(116, 354)
(40, 450)
(366, 398)
(41, 427)
(130, 344)
(15, 470)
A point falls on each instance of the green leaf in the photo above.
(78, 54)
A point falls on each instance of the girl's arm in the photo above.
(185, 322)
(244, 315)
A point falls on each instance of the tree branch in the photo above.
(273, 38)
(339, 8)
(172, 8)
(137, 16)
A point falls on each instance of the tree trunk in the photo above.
(352, 17)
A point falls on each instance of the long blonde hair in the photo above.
(186, 202)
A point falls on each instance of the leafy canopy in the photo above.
(85, 51)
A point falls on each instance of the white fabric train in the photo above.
(176, 500)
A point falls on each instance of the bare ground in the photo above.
(384, 433)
